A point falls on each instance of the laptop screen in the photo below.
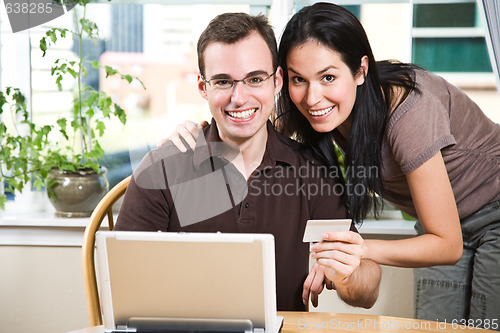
(186, 276)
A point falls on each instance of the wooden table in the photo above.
(320, 322)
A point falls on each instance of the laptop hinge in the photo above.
(123, 328)
(147, 324)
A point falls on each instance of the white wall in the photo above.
(41, 289)
(395, 298)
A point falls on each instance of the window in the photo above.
(156, 42)
(448, 37)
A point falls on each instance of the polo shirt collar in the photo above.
(277, 149)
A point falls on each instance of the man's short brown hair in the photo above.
(230, 28)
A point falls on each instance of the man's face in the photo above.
(240, 111)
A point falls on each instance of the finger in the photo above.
(317, 287)
(343, 236)
(178, 143)
(350, 249)
(187, 135)
(306, 289)
(335, 270)
(313, 284)
(329, 284)
(193, 128)
(337, 264)
(339, 256)
(180, 131)
(162, 142)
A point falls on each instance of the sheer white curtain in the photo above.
(490, 11)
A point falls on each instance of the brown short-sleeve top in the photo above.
(442, 118)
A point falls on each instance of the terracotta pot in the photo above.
(76, 194)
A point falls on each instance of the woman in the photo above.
(437, 154)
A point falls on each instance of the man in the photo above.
(243, 176)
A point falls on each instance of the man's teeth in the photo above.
(242, 114)
(320, 112)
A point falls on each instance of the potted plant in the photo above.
(68, 164)
(77, 180)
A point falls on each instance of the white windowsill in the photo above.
(41, 229)
(388, 227)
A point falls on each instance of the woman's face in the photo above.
(322, 86)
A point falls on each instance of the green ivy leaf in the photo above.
(46, 130)
(90, 28)
(127, 77)
(52, 35)
(98, 149)
(43, 46)
(62, 68)
(100, 127)
(38, 140)
(72, 72)
(44, 173)
(120, 113)
(38, 183)
(110, 71)
(62, 122)
(104, 105)
(67, 167)
(90, 112)
(92, 99)
(58, 82)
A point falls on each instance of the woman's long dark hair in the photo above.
(338, 29)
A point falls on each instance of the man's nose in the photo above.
(239, 94)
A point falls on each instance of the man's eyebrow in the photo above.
(220, 76)
(258, 72)
(227, 76)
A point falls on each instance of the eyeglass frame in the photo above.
(234, 81)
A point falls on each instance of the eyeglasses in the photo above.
(253, 81)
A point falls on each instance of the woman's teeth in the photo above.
(320, 112)
(241, 114)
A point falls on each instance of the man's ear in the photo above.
(278, 80)
(202, 87)
(363, 72)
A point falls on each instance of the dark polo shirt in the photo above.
(201, 191)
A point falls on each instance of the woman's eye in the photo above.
(328, 78)
(297, 79)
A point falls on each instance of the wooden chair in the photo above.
(89, 277)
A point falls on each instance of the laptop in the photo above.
(187, 282)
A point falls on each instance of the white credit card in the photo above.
(316, 228)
